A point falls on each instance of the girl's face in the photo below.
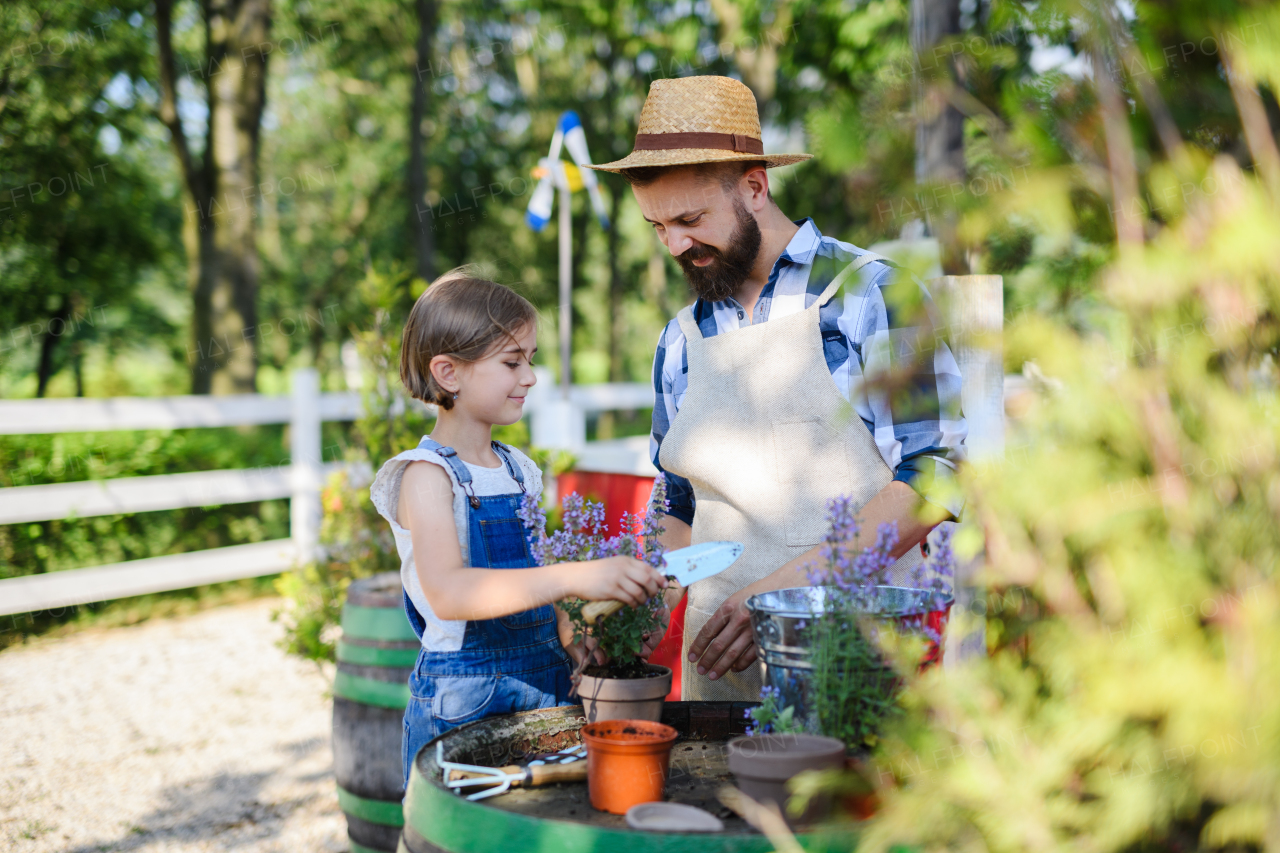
(493, 389)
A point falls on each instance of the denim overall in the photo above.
(512, 663)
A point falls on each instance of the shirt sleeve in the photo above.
(905, 384)
(679, 490)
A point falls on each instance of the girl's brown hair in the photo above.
(461, 316)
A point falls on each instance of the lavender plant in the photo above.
(771, 716)
(854, 688)
(583, 536)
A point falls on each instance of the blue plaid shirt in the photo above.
(920, 434)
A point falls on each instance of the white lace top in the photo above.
(443, 635)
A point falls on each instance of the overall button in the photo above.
(740, 314)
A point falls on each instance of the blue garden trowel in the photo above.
(684, 566)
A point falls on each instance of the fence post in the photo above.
(973, 309)
(306, 473)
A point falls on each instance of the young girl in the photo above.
(491, 641)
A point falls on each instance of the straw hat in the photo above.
(690, 120)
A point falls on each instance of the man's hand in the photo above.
(654, 637)
(726, 642)
(588, 646)
(579, 649)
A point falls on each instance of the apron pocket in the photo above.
(461, 699)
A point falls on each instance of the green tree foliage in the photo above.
(84, 221)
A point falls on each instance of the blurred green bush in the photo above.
(1131, 532)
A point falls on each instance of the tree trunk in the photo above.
(221, 219)
(755, 55)
(238, 95)
(940, 126)
(420, 221)
(56, 328)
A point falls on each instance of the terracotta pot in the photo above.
(627, 762)
(763, 764)
(861, 804)
(624, 698)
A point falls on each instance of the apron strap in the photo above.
(512, 468)
(838, 282)
(687, 324)
(460, 472)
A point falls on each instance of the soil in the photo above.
(178, 735)
(634, 668)
(630, 730)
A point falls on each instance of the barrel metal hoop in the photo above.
(382, 812)
(385, 694)
(376, 623)
(360, 848)
(373, 656)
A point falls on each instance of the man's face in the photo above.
(708, 230)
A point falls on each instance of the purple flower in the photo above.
(852, 575)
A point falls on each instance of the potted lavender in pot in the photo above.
(823, 645)
(829, 683)
(624, 686)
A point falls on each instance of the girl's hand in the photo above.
(624, 579)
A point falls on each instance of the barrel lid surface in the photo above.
(380, 590)
(560, 817)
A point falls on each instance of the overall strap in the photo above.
(460, 472)
(504, 453)
(838, 282)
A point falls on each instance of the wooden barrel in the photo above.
(560, 817)
(370, 690)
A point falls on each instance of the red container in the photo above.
(936, 622)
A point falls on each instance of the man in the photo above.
(774, 395)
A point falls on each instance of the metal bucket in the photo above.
(780, 618)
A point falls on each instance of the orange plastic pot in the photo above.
(627, 762)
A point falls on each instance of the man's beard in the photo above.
(721, 278)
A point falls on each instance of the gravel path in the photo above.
(191, 734)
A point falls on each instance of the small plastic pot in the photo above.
(763, 764)
(627, 762)
(625, 698)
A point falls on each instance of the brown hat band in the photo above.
(722, 141)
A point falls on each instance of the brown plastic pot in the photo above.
(763, 764)
(627, 762)
(606, 699)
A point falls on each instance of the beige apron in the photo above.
(766, 439)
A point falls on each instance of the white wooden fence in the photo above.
(300, 481)
(972, 305)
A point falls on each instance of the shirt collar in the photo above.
(804, 245)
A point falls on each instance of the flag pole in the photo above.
(566, 280)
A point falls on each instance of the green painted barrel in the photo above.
(559, 817)
(375, 657)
